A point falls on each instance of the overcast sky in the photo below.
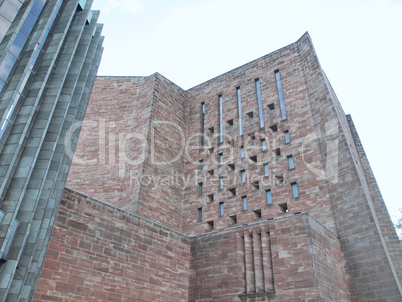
(358, 42)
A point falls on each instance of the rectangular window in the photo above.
(287, 137)
(243, 176)
(257, 86)
(221, 158)
(269, 196)
(220, 120)
(221, 182)
(280, 95)
(202, 124)
(239, 110)
(264, 144)
(291, 163)
(221, 210)
(244, 203)
(266, 170)
(241, 152)
(295, 191)
(201, 165)
(199, 214)
(200, 189)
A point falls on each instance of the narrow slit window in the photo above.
(242, 152)
(280, 95)
(287, 136)
(202, 124)
(221, 158)
(200, 189)
(244, 202)
(260, 113)
(266, 170)
(201, 165)
(239, 110)
(295, 191)
(269, 196)
(221, 183)
(199, 214)
(221, 209)
(243, 176)
(291, 163)
(264, 144)
(220, 120)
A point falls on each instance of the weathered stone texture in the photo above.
(101, 253)
(143, 152)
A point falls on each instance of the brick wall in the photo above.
(289, 259)
(100, 253)
(305, 146)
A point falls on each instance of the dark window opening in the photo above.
(284, 207)
(257, 214)
(230, 122)
(250, 114)
(277, 151)
(232, 191)
(254, 158)
(271, 106)
(274, 128)
(231, 167)
(210, 225)
(256, 185)
(210, 198)
(233, 219)
(279, 179)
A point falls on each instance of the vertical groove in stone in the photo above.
(242, 260)
(267, 261)
(258, 267)
(248, 248)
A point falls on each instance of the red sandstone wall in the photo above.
(305, 144)
(130, 148)
(307, 263)
(162, 175)
(100, 253)
(115, 125)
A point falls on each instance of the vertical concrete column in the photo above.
(248, 250)
(267, 261)
(258, 268)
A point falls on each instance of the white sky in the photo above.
(358, 42)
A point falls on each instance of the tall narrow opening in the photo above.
(220, 120)
(260, 113)
(239, 110)
(280, 95)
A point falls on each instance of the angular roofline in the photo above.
(306, 34)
